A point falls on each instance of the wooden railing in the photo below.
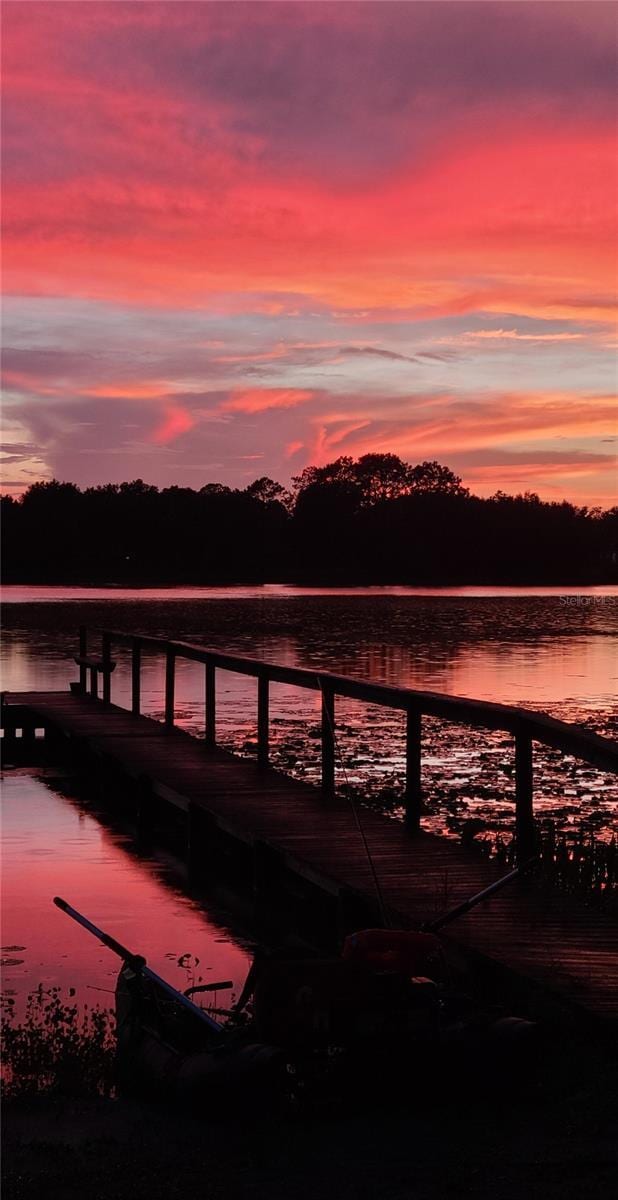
(525, 726)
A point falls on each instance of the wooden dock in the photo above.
(290, 838)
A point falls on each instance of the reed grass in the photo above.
(579, 863)
(582, 860)
(57, 1047)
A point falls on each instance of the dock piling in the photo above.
(328, 739)
(413, 793)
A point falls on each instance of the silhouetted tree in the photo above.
(382, 477)
(215, 489)
(377, 519)
(268, 491)
(432, 477)
(339, 471)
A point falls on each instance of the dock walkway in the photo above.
(549, 944)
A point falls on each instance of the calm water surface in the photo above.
(550, 649)
(53, 845)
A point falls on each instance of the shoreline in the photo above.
(553, 1141)
(567, 592)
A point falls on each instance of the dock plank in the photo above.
(545, 938)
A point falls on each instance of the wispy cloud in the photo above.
(175, 422)
(303, 229)
(259, 400)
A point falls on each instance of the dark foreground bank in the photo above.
(556, 1141)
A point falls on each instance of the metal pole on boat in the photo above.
(460, 909)
(138, 963)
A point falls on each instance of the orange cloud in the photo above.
(508, 335)
(256, 400)
(128, 391)
(434, 425)
(175, 422)
(21, 381)
(296, 196)
(525, 211)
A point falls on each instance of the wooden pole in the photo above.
(413, 793)
(136, 677)
(525, 836)
(83, 652)
(262, 721)
(328, 740)
(107, 668)
(211, 705)
(170, 672)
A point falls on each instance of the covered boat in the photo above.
(168, 1046)
(383, 1013)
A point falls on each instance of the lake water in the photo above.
(54, 844)
(548, 649)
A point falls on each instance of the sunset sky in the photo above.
(241, 238)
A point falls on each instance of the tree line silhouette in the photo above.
(376, 519)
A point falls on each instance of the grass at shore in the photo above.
(116, 1150)
(553, 1140)
(68, 1137)
(56, 1048)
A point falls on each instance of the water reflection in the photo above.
(52, 846)
(531, 649)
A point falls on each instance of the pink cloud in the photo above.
(508, 335)
(175, 422)
(433, 424)
(321, 165)
(133, 390)
(256, 400)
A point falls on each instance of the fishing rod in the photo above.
(138, 963)
(452, 914)
(460, 909)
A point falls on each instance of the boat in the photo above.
(169, 1047)
(380, 1019)
(377, 1016)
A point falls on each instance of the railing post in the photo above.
(170, 672)
(413, 792)
(328, 739)
(525, 836)
(211, 705)
(262, 721)
(107, 667)
(136, 677)
(83, 651)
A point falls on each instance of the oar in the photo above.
(139, 964)
(460, 909)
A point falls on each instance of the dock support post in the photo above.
(144, 807)
(328, 740)
(193, 840)
(211, 705)
(268, 870)
(170, 671)
(83, 653)
(136, 677)
(262, 721)
(525, 836)
(107, 667)
(413, 793)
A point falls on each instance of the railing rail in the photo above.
(525, 726)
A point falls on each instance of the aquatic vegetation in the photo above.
(582, 863)
(56, 1047)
